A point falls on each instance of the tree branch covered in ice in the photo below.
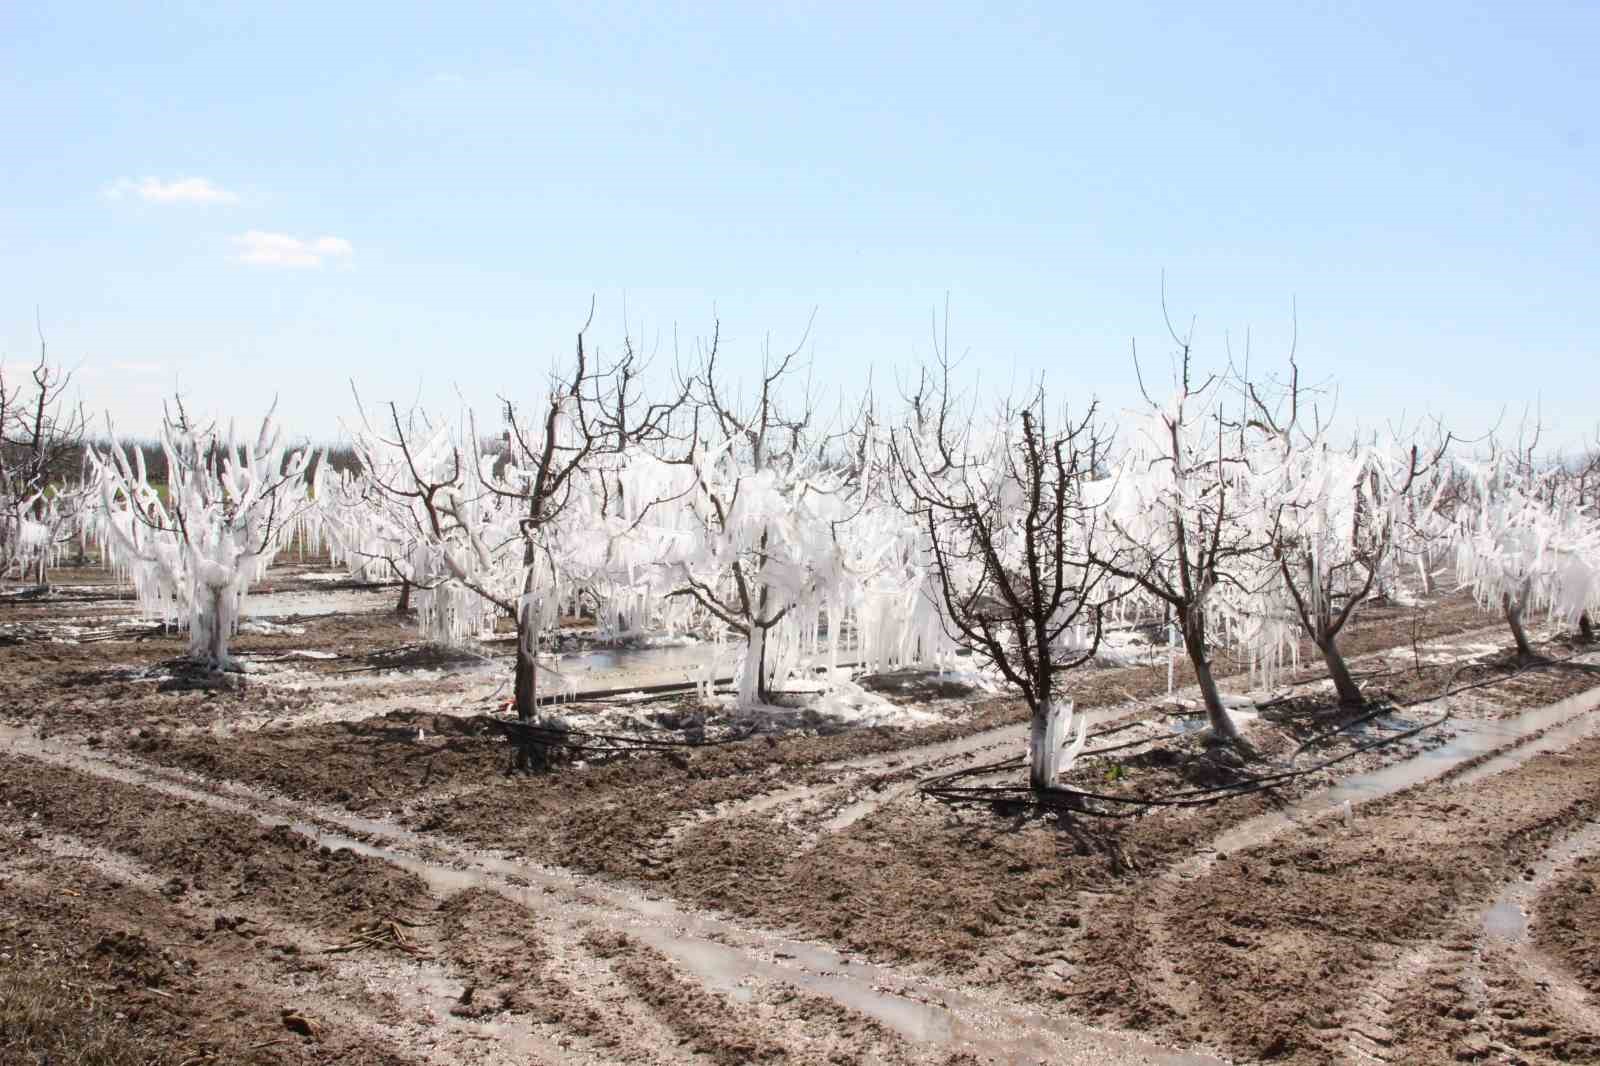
(500, 532)
(1338, 521)
(1183, 535)
(1525, 538)
(41, 453)
(195, 545)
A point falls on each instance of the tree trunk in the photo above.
(1194, 642)
(530, 756)
(1345, 685)
(405, 597)
(1513, 611)
(1038, 754)
(525, 690)
(219, 631)
(763, 693)
(752, 680)
(1585, 628)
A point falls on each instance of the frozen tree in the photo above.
(1522, 544)
(368, 530)
(789, 535)
(773, 507)
(194, 546)
(41, 456)
(1178, 506)
(1012, 536)
(1576, 485)
(1337, 521)
(495, 529)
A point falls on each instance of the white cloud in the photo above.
(280, 249)
(177, 191)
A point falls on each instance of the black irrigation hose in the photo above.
(1117, 747)
(1077, 801)
(602, 743)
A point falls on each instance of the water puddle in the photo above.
(1505, 925)
(1507, 918)
(1567, 721)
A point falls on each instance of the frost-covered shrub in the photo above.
(194, 546)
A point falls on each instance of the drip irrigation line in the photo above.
(581, 741)
(1120, 747)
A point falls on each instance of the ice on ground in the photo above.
(1442, 654)
(972, 679)
(850, 702)
(264, 628)
(320, 575)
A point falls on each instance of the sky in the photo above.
(239, 203)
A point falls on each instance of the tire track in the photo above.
(717, 952)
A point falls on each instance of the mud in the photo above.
(328, 861)
(1568, 923)
(1268, 948)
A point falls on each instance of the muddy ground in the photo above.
(326, 860)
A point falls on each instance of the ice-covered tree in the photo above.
(496, 529)
(195, 545)
(1338, 521)
(41, 455)
(368, 530)
(1522, 544)
(1178, 507)
(768, 505)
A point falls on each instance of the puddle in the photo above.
(1505, 924)
(1568, 720)
(1507, 918)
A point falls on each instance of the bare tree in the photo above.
(1012, 537)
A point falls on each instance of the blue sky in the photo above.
(243, 202)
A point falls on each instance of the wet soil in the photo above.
(453, 777)
(1270, 950)
(232, 937)
(1568, 924)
